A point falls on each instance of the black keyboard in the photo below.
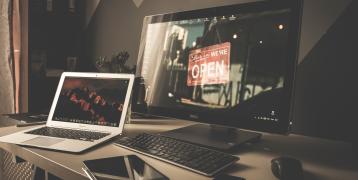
(68, 133)
(41, 117)
(193, 157)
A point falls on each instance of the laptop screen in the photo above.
(95, 101)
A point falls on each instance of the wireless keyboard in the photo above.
(189, 156)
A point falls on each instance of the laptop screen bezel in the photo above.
(98, 128)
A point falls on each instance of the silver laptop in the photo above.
(88, 109)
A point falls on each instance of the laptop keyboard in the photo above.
(68, 133)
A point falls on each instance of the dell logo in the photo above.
(194, 116)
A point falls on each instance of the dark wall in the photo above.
(116, 25)
(326, 83)
(325, 77)
(124, 19)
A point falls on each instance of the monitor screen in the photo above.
(230, 65)
(91, 101)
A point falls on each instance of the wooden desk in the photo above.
(322, 159)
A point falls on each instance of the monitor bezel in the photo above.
(284, 125)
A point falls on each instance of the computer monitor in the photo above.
(232, 65)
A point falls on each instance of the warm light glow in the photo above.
(280, 27)
(234, 36)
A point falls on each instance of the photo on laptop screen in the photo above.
(91, 101)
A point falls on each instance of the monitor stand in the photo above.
(213, 136)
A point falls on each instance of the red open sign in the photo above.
(209, 65)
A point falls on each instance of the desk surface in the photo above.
(322, 159)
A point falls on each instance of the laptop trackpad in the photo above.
(43, 141)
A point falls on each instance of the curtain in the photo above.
(16, 50)
(7, 95)
(10, 56)
(6, 80)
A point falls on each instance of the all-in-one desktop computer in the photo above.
(228, 67)
(231, 66)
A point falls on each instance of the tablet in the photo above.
(128, 167)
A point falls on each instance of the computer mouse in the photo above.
(287, 168)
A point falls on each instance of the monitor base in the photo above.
(213, 136)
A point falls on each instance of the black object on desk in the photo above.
(28, 119)
(121, 167)
(286, 168)
(198, 159)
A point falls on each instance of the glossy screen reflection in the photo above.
(215, 62)
(221, 67)
(123, 167)
(91, 101)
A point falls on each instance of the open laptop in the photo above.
(88, 109)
